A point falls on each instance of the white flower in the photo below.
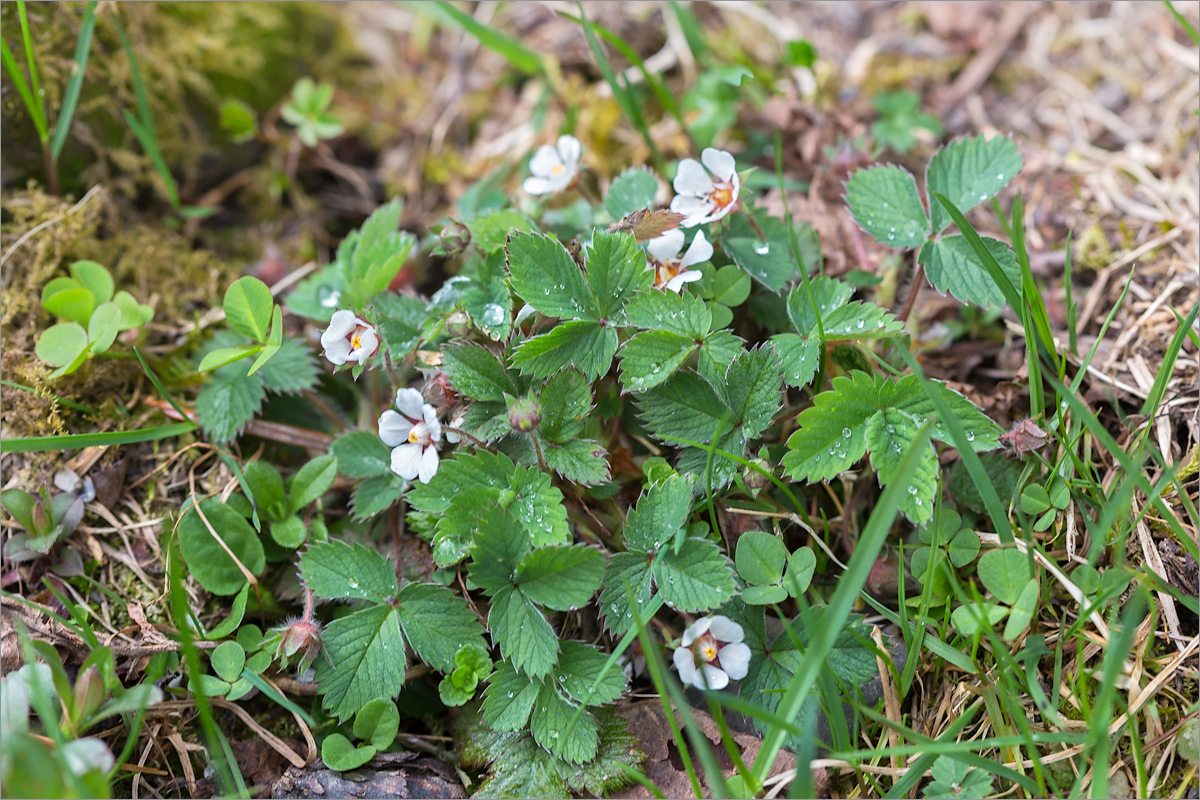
(413, 434)
(706, 193)
(453, 436)
(670, 269)
(711, 653)
(349, 338)
(554, 168)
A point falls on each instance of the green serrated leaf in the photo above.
(365, 660)
(581, 461)
(798, 356)
(563, 577)
(476, 372)
(885, 203)
(683, 314)
(545, 276)
(827, 294)
(952, 266)
(760, 558)
(376, 494)
(566, 399)
(361, 454)
(684, 406)
(509, 698)
(552, 728)
(500, 544)
(627, 573)
(291, 369)
(660, 514)
(632, 190)
(437, 623)
(888, 436)
(523, 634)
(248, 306)
(208, 559)
(578, 673)
(764, 252)
(490, 307)
(616, 269)
(968, 171)
(754, 389)
(581, 344)
(652, 357)
(831, 433)
(696, 578)
(857, 320)
(340, 571)
(228, 401)
(400, 319)
(490, 231)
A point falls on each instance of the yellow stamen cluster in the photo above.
(356, 341)
(722, 196)
(412, 436)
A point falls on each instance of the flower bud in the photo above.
(88, 694)
(455, 238)
(524, 415)
(297, 637)
(756, 481)
(1025, 437)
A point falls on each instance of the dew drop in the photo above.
(763, 248)
(845, 433)
(970, 436)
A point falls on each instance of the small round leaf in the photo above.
(760, 558)
(95, 278)
(378, 722)
(207, 559)
(103, 326)
(290, 533)
(763, 595)
(227, 660)
(799, 572)
(1005, 573)
(62, 344)
(341, 756)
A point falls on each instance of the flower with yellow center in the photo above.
(671, 269)
(711, 653)
(413, 433)
(553, 169)
(349, 339)
(706, 190)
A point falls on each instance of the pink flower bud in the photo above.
(1025, 437)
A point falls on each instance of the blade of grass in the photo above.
(513, 51)
(1159, 388)
(622, 94)
(18, 79)
(62, 125)
(840, 605)
(32, 444)
(1069, 301)
(38, 109)
(1184, 23)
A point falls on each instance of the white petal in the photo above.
(340, 324)
(337, 350)
(735, 660)
(536, 186)
(676, 283)
(429, 465)
(569, 149)
(431, 421)
(544, 161)
(695, 209)
(393, 428)
(406, 461)
(715, 677)
(692, 179)
(451, 436)
(667, 246)
(695, 631)
(685, 662)
(410, 401)
(719, 163)
(556, 183)
(726, 630)
(370, 342)
(698, 252)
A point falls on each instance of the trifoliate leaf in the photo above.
(523, 634)
(500, 544)
(616, 269)
(578, 673)
(581, 344)
(557, 727)
(684, 406)
(696, 578)
(340, 571)
(1004, 573)
(628, 573)
(546, 277)
(228, 402)
(717, 353)
(566, 399)
(968, 171)
(888, 435)
(906, 394)
(580, 461)
(729, 285)
(437, 623)
(509, 698)
(563, 577)
(952, 778)
(476, 372)
(365, 660)
(361, 454)
(207, 559)
(652, 357)
(831, 433)
(661, 512)
(630, 191)
(376, 494)
(952, 266)
(885, 203)
(683, 314)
